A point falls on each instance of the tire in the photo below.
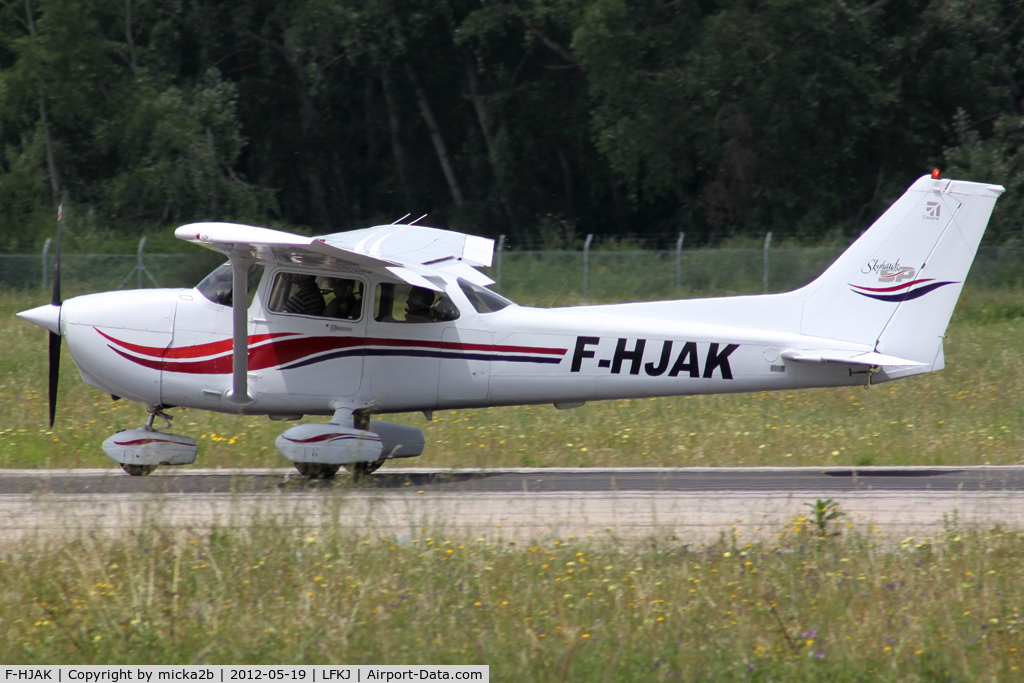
(317, 470)
(364, 469)
(138, 470)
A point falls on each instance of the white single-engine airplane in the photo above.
(396, 318)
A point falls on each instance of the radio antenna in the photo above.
(401, 219)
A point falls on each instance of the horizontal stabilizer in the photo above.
(849, 357)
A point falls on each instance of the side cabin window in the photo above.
(323, 296)
(397, 303)
(217, 285)
(483, 300)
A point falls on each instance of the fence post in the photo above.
(46, 250)
(586, 265)
(139, 264)
(501, 252)
(140, 267)
(679, 260)
(767, 241)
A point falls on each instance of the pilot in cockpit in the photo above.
(419, 306)
(346, 301)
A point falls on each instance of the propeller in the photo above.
(54, 336)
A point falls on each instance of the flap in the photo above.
(460, 269)
(414, 244)
(410, 252)
(414, 279)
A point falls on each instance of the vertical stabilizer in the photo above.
(896, 286)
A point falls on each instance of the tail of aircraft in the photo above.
(892, 292)
(896, 286)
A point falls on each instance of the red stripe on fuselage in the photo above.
(290, 350)
(196, 351)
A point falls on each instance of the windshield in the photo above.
(217, 285)
(483, 300)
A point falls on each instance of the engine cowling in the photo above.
(149, 447)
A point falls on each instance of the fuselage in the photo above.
(173, 347)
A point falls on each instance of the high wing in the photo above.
(412, 253)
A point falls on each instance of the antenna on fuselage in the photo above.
(401, 219)
(418, 219)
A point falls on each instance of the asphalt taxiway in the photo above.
(693, 503)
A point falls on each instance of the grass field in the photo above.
(856, 607)
(798, 608)
(970, 413)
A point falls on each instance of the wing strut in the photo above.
(239, 394)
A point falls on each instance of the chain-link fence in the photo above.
(546, 277)
(102, 272)
(530, 277)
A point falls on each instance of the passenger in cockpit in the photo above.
(307, 300)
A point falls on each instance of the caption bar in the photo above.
(228, 674)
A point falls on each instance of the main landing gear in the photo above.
(138, 470)
(317, 470)
(364, 469)
(318, 451)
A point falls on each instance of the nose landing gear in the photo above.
(140, 451)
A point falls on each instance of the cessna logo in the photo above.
(905, 273)
(684, 359)
(932, 211)
(877, 265)
(889, 271)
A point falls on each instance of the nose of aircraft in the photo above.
(47, 317)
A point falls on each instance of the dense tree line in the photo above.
(541, 119)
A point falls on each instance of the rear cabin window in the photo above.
(483, 300)
(397, 303)
(322, 296)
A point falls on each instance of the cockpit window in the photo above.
(483, 300)
(408, 304)
(217, 285)
(305, 294)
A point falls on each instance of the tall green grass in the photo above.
(969, 413)
(799, 608)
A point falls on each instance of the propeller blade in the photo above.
(55, 338)
(54, 374)
(55, 299)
